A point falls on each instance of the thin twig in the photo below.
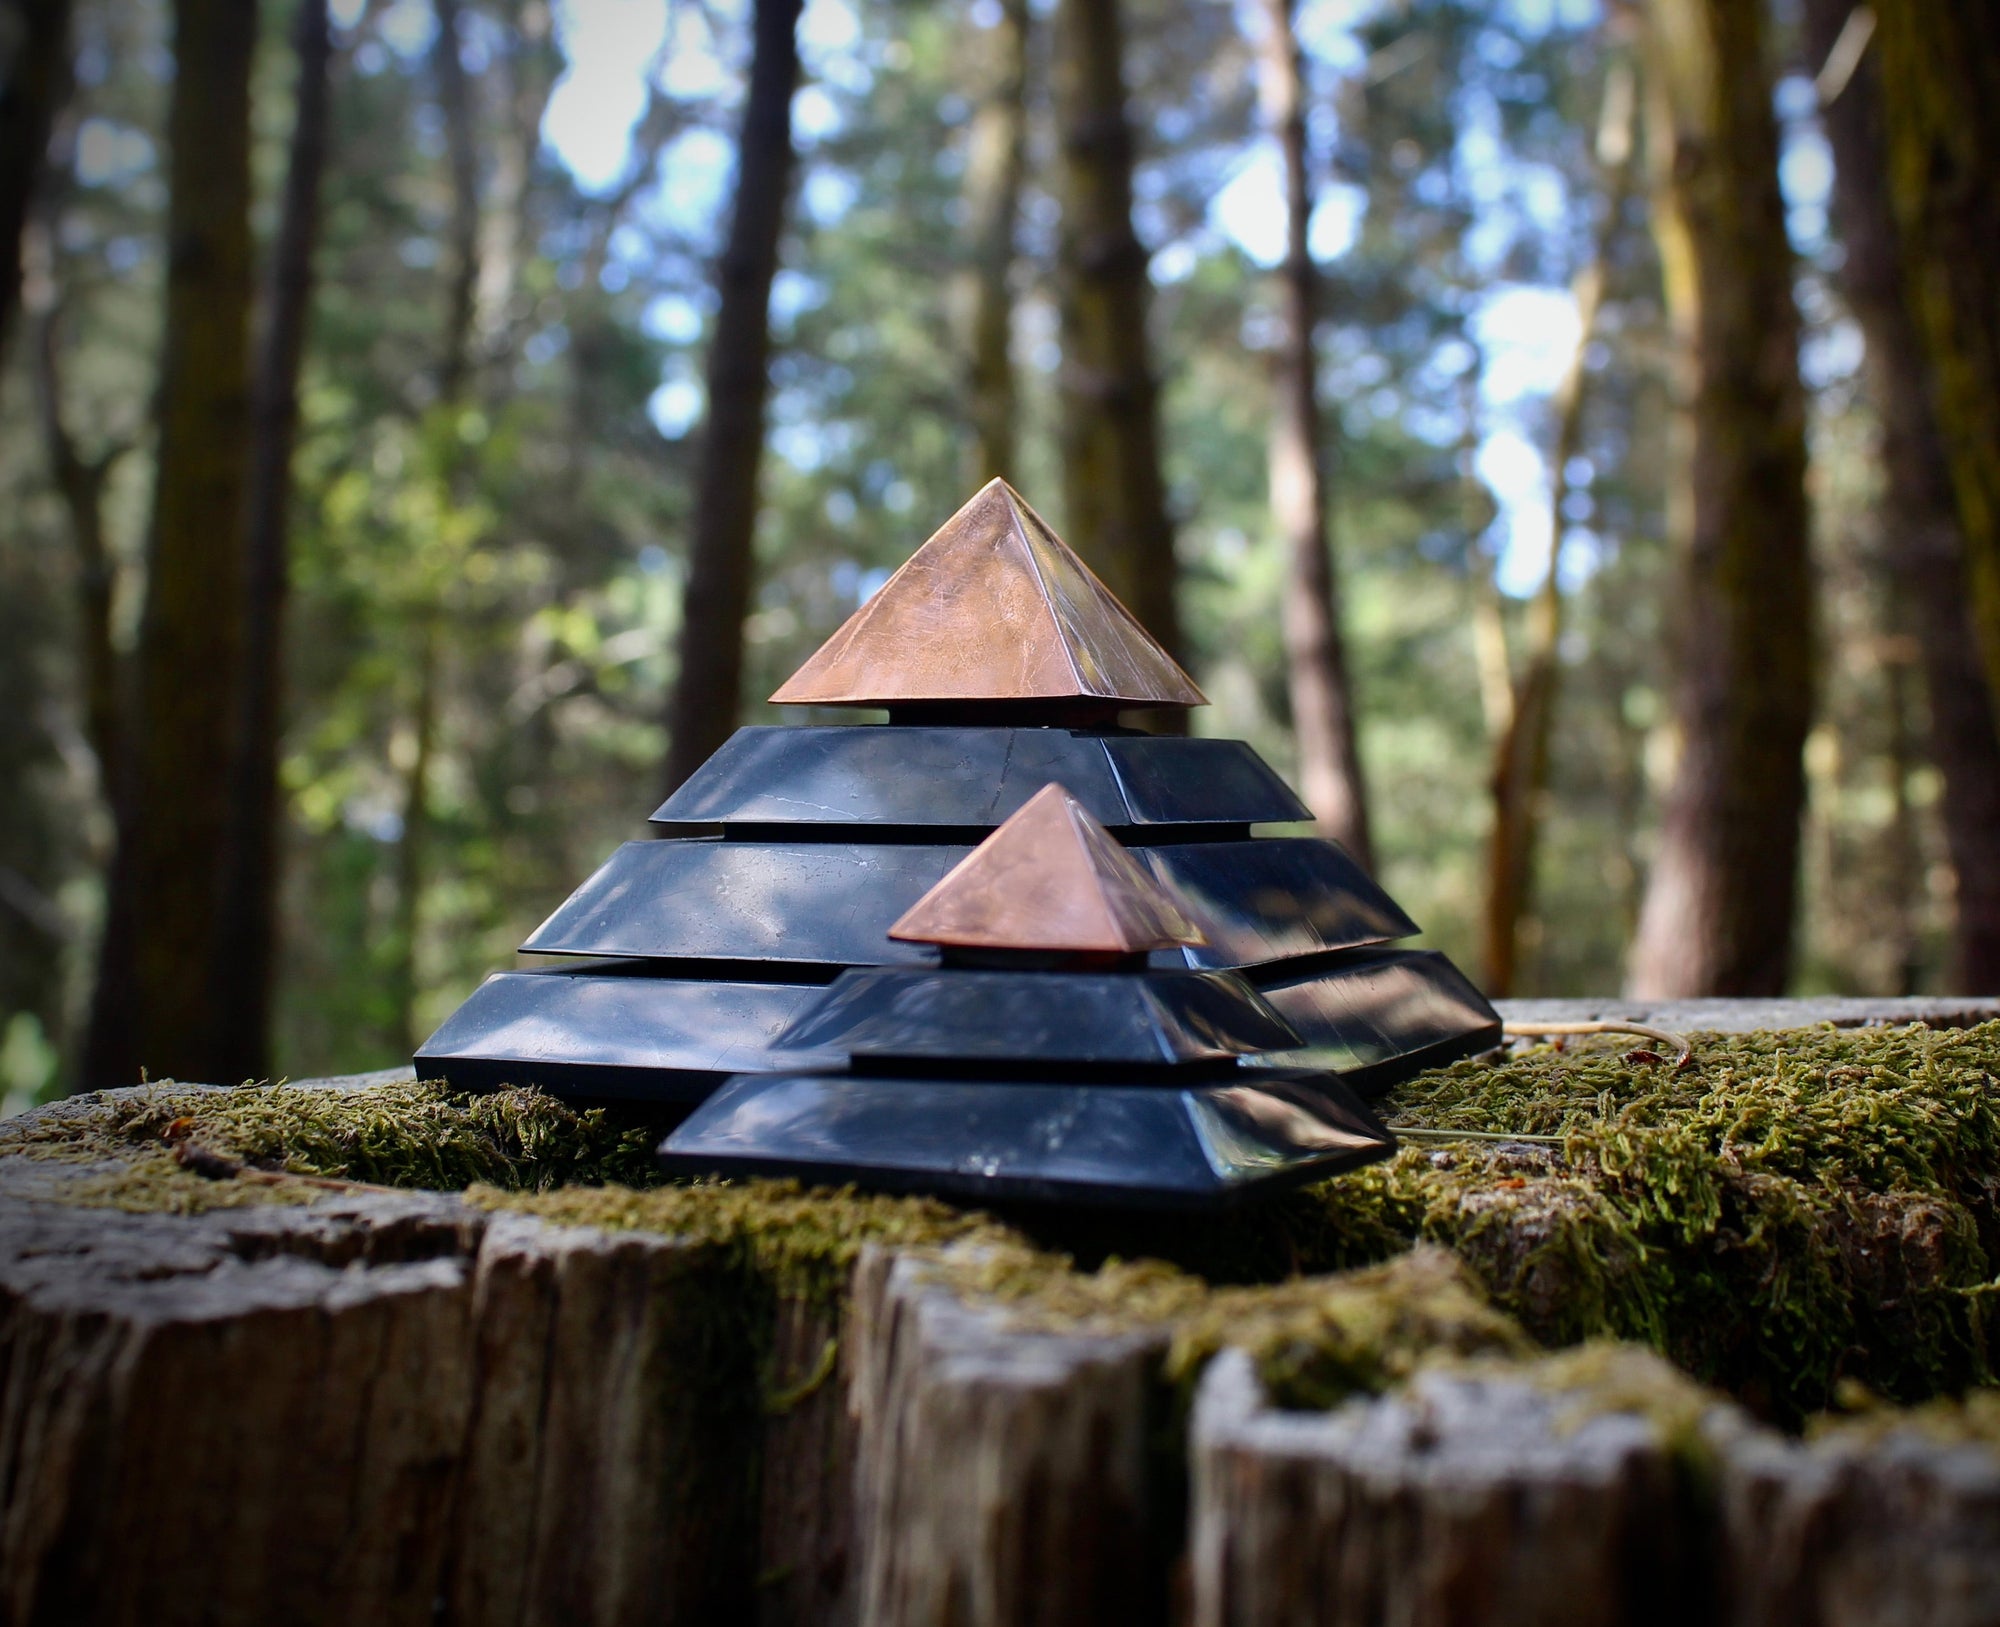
(1683, 1051)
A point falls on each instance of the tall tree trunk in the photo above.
(1520, 773)
(247, 962)
(1300, 483)
(80, 481)
(994, 165)
(1940, 84)
(454, 382)
(721, 561)
(1720, 900)
(462, 229)
(1919, 522)
(1115, 499)
(154, 1006)
(34, 34)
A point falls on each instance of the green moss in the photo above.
(1797, 1210)
(802, 1240)
(404, 1135)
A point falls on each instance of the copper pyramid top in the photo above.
(1053, 879)
(995, 607)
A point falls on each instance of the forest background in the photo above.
(1560, 434)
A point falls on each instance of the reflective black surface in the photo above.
(1377, 1016)
(973, 778)
(1273, 898)
(832, 903)
(1099, 1018)
(613, 1034)
(821, 903)
(1035, 1140)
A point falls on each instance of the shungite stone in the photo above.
(1099, 1019)
(612, 1033)
(1375, 1016)
(1032, 1140)
(971, 779)
(1271, 899)
(833, 903)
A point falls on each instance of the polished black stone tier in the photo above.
(1379, 1015)
(972, 778)
(832, 903)
(1031, 1140)
(611, 1033)
(1093, 1019)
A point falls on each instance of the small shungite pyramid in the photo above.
(1040, 1058)
(789, 855)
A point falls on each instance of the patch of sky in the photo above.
(827, 196)
(596, 104)
(1830, 355)
(793, 293)
(674, 318)
(675, 406)
(346, 13)
(407, 27)
(1805, 176)
(110, 154)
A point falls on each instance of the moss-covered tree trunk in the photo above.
(1114, 493)
(1316, 670)
(1940, 63)
(1919, 524)
(721, 542)
(1717, 917)
(248, 935)
(995, 155)
(155, 1003)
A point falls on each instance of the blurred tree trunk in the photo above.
(1519, 778)
(1114, 494)
(154, 1005)
(994, 164)
(1919, 524)
(454, 379)
(248, 935)
(1720, 900)
(1940, 83)
(1322, 697)
(34, 35)
(80, 480)
(721, 559)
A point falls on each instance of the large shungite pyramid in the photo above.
(790, 854)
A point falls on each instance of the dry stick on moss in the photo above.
(1683, 1051)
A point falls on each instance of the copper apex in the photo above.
(995, 607)
(1052, 879)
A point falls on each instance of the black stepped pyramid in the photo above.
(1042, 1058)
(1003, 664)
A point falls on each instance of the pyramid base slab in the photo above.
(1134, 1145)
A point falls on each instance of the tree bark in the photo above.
(35, 35)
(1719, 903)
(1920, 530)
(1940, 83)
(248, 936)
(994, 165)
(1519, 778)
(80, 480)
(1322, 697)
(462, 229)
(721, 547)
(155, 1002)
(1114, 493)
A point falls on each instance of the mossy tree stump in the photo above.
(248, 1371)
